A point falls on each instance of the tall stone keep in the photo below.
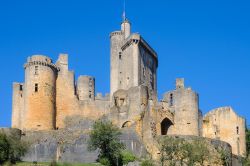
(40, 93)
(133, 61)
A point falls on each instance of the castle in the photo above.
(50, 94)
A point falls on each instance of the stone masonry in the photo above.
(50, 95)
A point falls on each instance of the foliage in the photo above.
(127, 157)
(248, 140)
(11, 149)
(105, 138)
(147, 163)
(105, 161)
(246, 161)
(4, 148)
(177, 151)
(225, 156)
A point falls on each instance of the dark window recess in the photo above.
(120, 55)
(171, 100)
(21, 87)
(188, 123)
(36, 70)
(36, 87)
(237, 129)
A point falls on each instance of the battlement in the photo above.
(40, 60)
(137, 38)
(115, 33)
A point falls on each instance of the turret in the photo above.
(40, 93)
(126, 28)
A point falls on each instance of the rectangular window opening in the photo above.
(21, 87)
(36, 70)
(120, 55)
(36, 87)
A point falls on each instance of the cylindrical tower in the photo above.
(116, 40)
(86, 88)
(40, 93)
(126, 28)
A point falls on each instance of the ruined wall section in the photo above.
(224, 124)
(17, 106)
(66, 99)
(184, 102)
(75, 100)
(40, 93)
(129, 105)
(86, 88)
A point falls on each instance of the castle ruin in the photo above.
(50, 94)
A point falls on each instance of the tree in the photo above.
(105, 138)
(177, 151)
(4, 148)
(11, 148)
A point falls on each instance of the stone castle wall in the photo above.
(224, 124)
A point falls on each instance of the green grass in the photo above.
(59, 164)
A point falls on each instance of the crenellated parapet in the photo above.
(41, 61)
(116, 33)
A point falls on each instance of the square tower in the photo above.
(133, 62)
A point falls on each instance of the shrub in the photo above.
(147, 163)
(104, 161)
(127, 157)
(105, 137)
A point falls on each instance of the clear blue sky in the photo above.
(205, 41)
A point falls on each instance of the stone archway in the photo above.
(126, 124)
(165, 125)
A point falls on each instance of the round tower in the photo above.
(40, 93)
(116, 40)
(126, 28)
(86, 88)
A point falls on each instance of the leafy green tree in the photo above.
(11, 148)
(177, 151)
(105, 138)
(4, 148)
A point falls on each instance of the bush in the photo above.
(104, 161)
(11, 149)
(4, 148)
(147, 163)
(105, 137)
(127, 157)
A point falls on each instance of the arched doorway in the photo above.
(165, 125)
(126, 124)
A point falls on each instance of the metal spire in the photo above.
(124, 11)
